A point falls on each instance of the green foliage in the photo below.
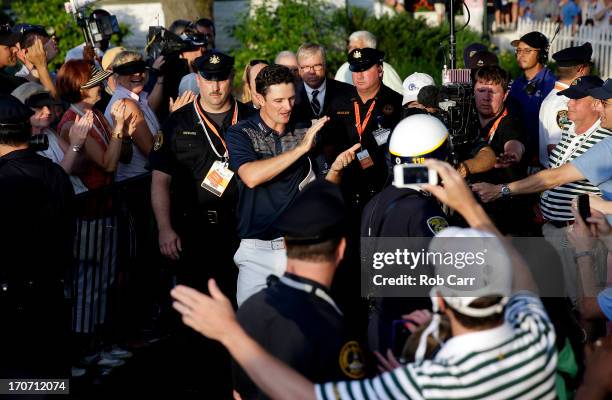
(51, 14)
(507, 60)
(410, 45)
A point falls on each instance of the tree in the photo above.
(186, 9)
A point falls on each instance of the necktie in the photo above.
(316, 106)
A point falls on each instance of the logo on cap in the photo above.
(576, 82)
(412, 87)
(214, 59)
(472, 53)
(357, 54)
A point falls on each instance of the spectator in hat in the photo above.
(412, 85)
(528, 91)
(8, 58)
(295, 318)
(572, 63)
(363, 39)
(62, 152)
(28, 53)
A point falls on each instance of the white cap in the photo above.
(492, 277)
(413, 84)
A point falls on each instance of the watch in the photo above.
(505, 190)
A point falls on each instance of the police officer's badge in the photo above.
(357, 54)
(214, 59)
(352, 362)
(562, 118)
(158, 141)
(388, 109)
(436, 224)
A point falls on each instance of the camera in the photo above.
(38, 143)
(162, 42)
(95, 28)
(411, 175)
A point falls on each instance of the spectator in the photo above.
(8, 51)
(79, 84)
(130, 74)
(289, 60)
(570, 12)
(364, 39)
(30, 34)
(206, 27)
(248, 81)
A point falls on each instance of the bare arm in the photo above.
(214, 317)
(143, 137)
(169, 241)
(255, 173)
(483, 161)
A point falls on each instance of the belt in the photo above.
(275, 244)
(561, 224)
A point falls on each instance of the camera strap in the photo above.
(493, 129)
(103, 135)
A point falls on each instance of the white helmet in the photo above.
(418, 137)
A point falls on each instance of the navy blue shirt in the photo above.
(525, 99)
(259, 208)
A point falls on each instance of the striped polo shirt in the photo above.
(515, 360)
(556, 203)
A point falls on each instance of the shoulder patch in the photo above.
(562, 118)
(158, 141)
(436, 224)
(352, 362)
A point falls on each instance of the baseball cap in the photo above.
(13, 113)
(413, 84)
(363, 59)
(482, 58)
(33, 95)
(535, 39)
(604, 92)
(8, 37)
(579, 88)
(472, 49)
(110, 55)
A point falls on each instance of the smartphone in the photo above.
(584, 207)
(409, 175)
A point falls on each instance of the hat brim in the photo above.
(573, 93)
(40, 100)
(10, 40)
(98, 77)
(130, 68)
(600, 93)
(361, 67)
(215, 76)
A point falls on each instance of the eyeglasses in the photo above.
(316, 67)
(524, 51)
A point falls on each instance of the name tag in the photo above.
(381, 135)
(342, 112)
(189, 133)
(218, 178)
(364, 159)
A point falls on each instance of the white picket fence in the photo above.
(599, 37)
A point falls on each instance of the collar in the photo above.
(561, 86)
(321, 88)
(17, 154)
(571, 128)
(491, 122)
(357, 98)
(266, 130)
(142, 97)
(309, 286)
(459, 346)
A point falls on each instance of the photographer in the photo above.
(37, 239)
(84, 51)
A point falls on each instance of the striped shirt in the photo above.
(515, 360)
(556, 203)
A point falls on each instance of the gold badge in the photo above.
(576, 82)
(158, 141)
(357, 54)
(436, 224)
(388, 109)
(472, 53)
(352, 361)
(562, 119)
(214, 59)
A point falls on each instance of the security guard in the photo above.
(35, 193)
(403, 210)
(367, 118)
(295, 318)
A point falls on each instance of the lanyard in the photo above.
(305, 287)
(361, 125)
(495, 125)
(103, 135)
(205, 122)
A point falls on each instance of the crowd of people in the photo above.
(261, 198)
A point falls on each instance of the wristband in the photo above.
(588, 253)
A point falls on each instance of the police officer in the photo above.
(189, 160)
(528, 91)
(295, 318)
(35, 193)
(367, 118)
(404, 210)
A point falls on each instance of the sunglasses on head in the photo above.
(253, 63)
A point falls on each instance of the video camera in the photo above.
(162, 42)
(95, 28)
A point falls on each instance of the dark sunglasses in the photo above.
(253, 63)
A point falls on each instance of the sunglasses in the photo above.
(253, 63)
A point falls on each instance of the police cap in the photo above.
(363, 59)
(14, 114)
(215, 66)
(576, 55)
(580, 87)
(535, 39)
(316, 215)
(604, 92)
(471, 49)
(8, 37)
